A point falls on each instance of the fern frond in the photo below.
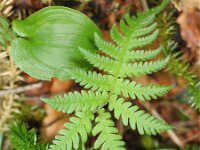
(137, 42)
(142, 68)
(93, 80)
(108, 134)
(124, 60)
(86, 100)
(155, 10)
(101, 62)
(97, 81)
(144, 122)
(75, 131)
(137, 31)
(130, 89)
(107, 47)
(143, 31)
(120, 67)
(134, 21)
(116, 36)
(143, 54)
(147, 17)
(143, 41)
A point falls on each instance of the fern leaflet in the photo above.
(108, 137)
(131, 115)
(78, 126)
(78, 101)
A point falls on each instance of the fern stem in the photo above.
(116, 75)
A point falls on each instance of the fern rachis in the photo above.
(110, 88)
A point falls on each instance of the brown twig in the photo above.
(174, 137)
(144, 4)
(20, 89)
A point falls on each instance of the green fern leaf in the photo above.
(108, 137)
(143, 41)
(97, 81)
(77, 128)
(128, 70)
(142, 68)
(143, 31)
(134, 21)
(143, 54)
(78, 101)
(101, 62)
(130, 89)
(93, 80)
(154, 11)
(136, 31)
(131, 115)
(107, 47)
(116, 36)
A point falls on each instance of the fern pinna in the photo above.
(122, 60)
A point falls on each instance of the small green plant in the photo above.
(6, 34)
(24, 139)
(122, 61)
(177, 65)
(46, 42)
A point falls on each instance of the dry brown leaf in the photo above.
(52, 123)
(186, 4)
(54, 120)
(59, 86)
(190, 27)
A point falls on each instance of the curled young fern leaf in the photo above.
(108, 134)
(75, 131)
